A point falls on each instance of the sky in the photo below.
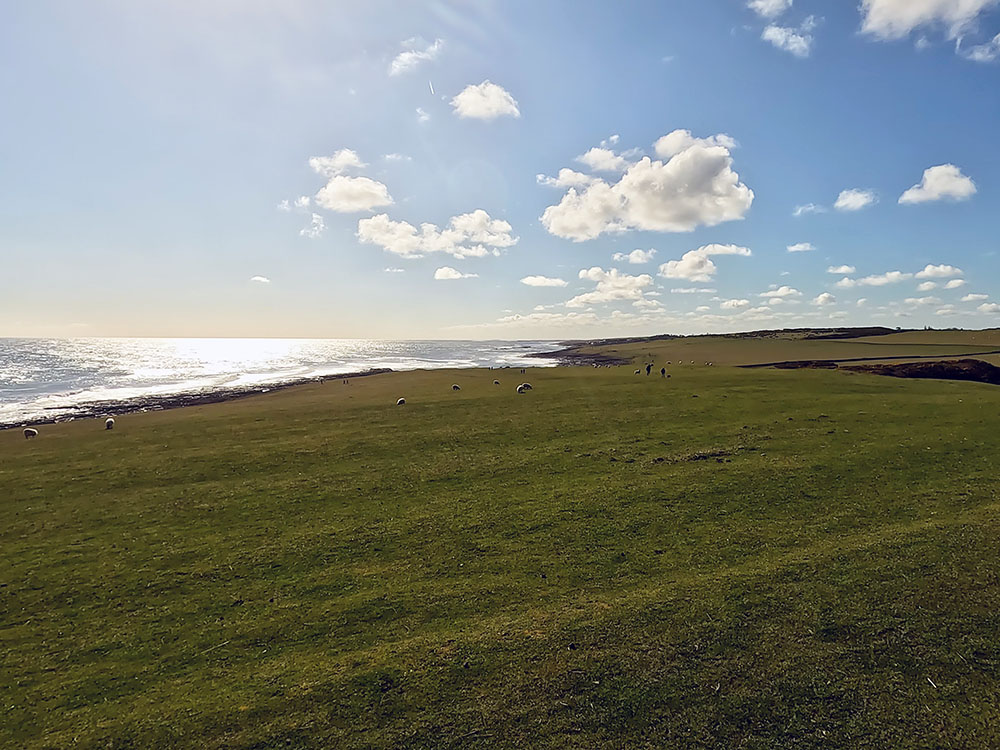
(497, 170)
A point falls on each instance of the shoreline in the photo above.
(140, 404)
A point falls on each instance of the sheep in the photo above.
(30, 432)
(526, 386)
(401, 402)
(496, 382)
(638, 372)
(520, 389)
(456, 387)
(109, 423)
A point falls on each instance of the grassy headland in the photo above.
(726, 558)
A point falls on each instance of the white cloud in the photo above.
(696, 265)
(975, 297)
(889, 277)
(485, 101)
(260, 279)
(769, 8)
(647, 304)
(603, 160)
(315, 229)
(926, 286)
(808, 208)
(692, 290)
(636, 257)
(922, 301)
(895, 19)
(781, 292)
(352, 194)
(340, 162)
(796, 41)
(390, 269)
(447, 273)
(801, 247)
(938, 183)
(824, 299)
(735, 304)
(567, 178)
(695, 187)
(989, 307)
(543, 281)
(397, 157)
(422, 115)
(409, 59)
(862, 302)
(841, 269)
(855, 199)
(955, 284)
(612, 285)
(939, 272)
(472, 235)
(678, 141)
(984, 53)
(302, 202)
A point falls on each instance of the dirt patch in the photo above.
(956, 369)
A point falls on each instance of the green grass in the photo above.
(801, 559)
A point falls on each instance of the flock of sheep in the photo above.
(31, 432)
(521, 389)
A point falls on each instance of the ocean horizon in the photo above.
(61, 378)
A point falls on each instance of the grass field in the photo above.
(729, 558)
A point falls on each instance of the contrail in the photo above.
(431, 85)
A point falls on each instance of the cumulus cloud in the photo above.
(260, 279)
(896, 19)
(695, 187)
(411, 57)
(781, 293)
(955, 284)
(315, 229)
(353, 194)
(542, 281)
(939, 272)
(855, 199)
(926, 286)
(340, 162)
(472, 235)
(485, 101)
(636, 257)
(824, 299)
(447, 273)
(769, 8)
(889, 277)
(984, 53)
(612, 285)
(697, 265)
(679, 141)
(922, 301)
(841, 269)
(692, 290)
(975, 297)
(342, 193)
(808, 208)
(603, 160)
(938, 183)
(735, 304)
(795, 41)
(567, 178)
(801, 247)
(989, 307)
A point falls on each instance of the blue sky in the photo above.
(250, 168)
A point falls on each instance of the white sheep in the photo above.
(456, 387)
(638, 372)
(496, 382)
(520, 389)
(401, 402)
(109, 423)
(526, 386)
(30, 432)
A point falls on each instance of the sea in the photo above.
(53, 379)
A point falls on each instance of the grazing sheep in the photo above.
(526, 386)
(30, 432)
(520, 389)
(401, 402)
(109, 423)
(456, 387)
(638, 372)
(496, 382)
